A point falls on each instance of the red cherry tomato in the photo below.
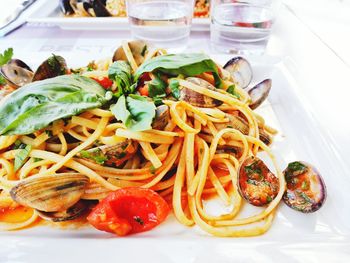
(129, 210)
(105, 82)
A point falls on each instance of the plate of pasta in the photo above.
(156, 146)
(72, 15)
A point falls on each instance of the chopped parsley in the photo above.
(269, 199)
(4, 59)
(96, 155)
(232, 90)
(139, 220)
(253, 169)
(152, 169)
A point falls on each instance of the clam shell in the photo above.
(197, 99)
(50, 193)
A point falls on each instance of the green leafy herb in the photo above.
(21, 156)
(49, 133)
(269, 199)
(305, 185)
(96, 155)
(138, 220)
(4, 58)
(174, 88)
(156, 87)
(186, 64)
(306, 199)
(253, 182)
(36, 105)
(120, 72)
(152, 169)
(158, 101)
(37, 159)
(19, 145)
(296, 167)
(91, 66)
(252, 169)
(232, 90)
(135, 111)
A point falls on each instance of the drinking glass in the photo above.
(166, 23)
(241, 26)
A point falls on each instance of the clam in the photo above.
(71, 213)
(99, 7)
(111, 155)
(240, 124)
(50, 68)
(197, 99)
(16, 73)
(230, 149)
(85, 7)
(256, 183)
(51, 193)
(138, 49)
(162, 117)
(241, 71)
(259, 93)
(306, 191)
(66, 7)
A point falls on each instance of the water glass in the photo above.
(166, 23)
(241, 26)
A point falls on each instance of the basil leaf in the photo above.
(21, 156)
(135, 111)
(120, 72)
(36, 105)
(232, 90)
(174, 88)
(156, 88)
(121, 111)
(174, 64)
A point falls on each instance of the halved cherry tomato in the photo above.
(129, 210)
(105, 82)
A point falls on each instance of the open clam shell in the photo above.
(306, 191)
(240, 70)
(16, 73)
(256, 183)
(259, 93)
(162, 117)
(197, 99)
(50, 193)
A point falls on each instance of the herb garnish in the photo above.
(21, 156)
(4, 59)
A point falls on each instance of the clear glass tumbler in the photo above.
(166, 23)
(241, 26)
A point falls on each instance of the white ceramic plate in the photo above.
(323, 236)
(49, 14)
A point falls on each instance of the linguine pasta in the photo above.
(183, 162)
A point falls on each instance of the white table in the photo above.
(323, 74)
